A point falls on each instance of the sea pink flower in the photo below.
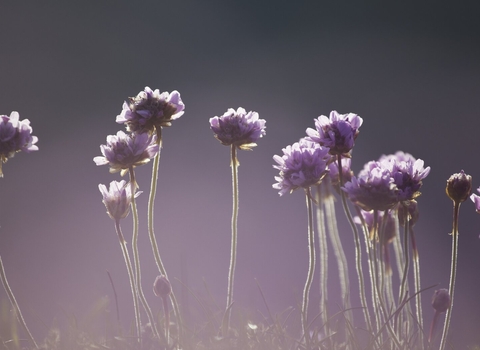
(337, 132)
(151, 110)
(238, 128)
(302, 165)
(459, 187)
(15, 136)
(117, 199)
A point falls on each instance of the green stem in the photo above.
(453, 272)
(311, 269)
(233, 252)
(128, 263)
(151, 232)
(136, 256)
(358, 250)
(14, 303)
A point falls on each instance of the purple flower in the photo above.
(337, 132)
(303, 164)
(333, 174)
(407, 173)
(238, 128)
(117, 199)
(124, 151)
(476, 200)
(441, 300)
(15, 136)
(373, 189)
(459, 187)
(151, 110)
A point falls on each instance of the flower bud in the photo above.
(459, 187)
(162, 287)
(441, 300)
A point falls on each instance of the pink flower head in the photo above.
(151, 110)
(373, 189)
(124, 151)
(407, 173)
(15, 136)
(238, 128)
(337, 132)
(303, 164)
(117, 199)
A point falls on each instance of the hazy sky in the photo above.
(410, 70)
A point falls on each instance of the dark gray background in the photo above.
(411, 70)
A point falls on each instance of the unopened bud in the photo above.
(459, 187)
(162, 287)
(441, 300)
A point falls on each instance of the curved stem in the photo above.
(311, 270)
(358, 250)
(128, 263)
(151, 232)
(323, 256)
(233, 251)
(453, 272)
(14, 303)
(136, 256)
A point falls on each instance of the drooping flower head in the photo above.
(117, 199)
(124, 151)
(151, 110)
(15, 136)
(302, 165)
(373, 188)
(238, 128)
(407, 173)
(337, 132)
(459, 187)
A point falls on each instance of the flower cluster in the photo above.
(15, 136)
(151, 110)
(117, 199)
(338, 132)
(303, 164)
(124, 151)
(238, 128)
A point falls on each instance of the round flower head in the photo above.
(441, 300)
(373, 189)
(117, 199)
(407, 173)
(162, 287)
(459, 187)
(337, 132)
(124, 151)
(151, 110)
(15, 136)
(238, 128)
(476, 200)
(303, 164)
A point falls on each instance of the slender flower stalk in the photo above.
(162, 288)
(14, 303)
(458, 189)
(440, 303)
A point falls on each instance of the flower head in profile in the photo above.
(15, 136)
(441, 300)
(373, 188)
(150, 110)
(476, 200)
(459, 187)
(333, 174)
(238, 128)
(162, 287)
(124, 151)
(338, 132)
(302, 165)
(407, 173)
(117, 199)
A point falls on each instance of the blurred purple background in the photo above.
(410, 70)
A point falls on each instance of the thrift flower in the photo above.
(459, 187)
(333, 174)
(117, 199)
(124, 151)
(337, 132)
(151, 110)
(162, 287)
(303, 164)
(407, 173)
(15, 136)
(238, 128)
(373, 189)
(441, 300)
(476, 199)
